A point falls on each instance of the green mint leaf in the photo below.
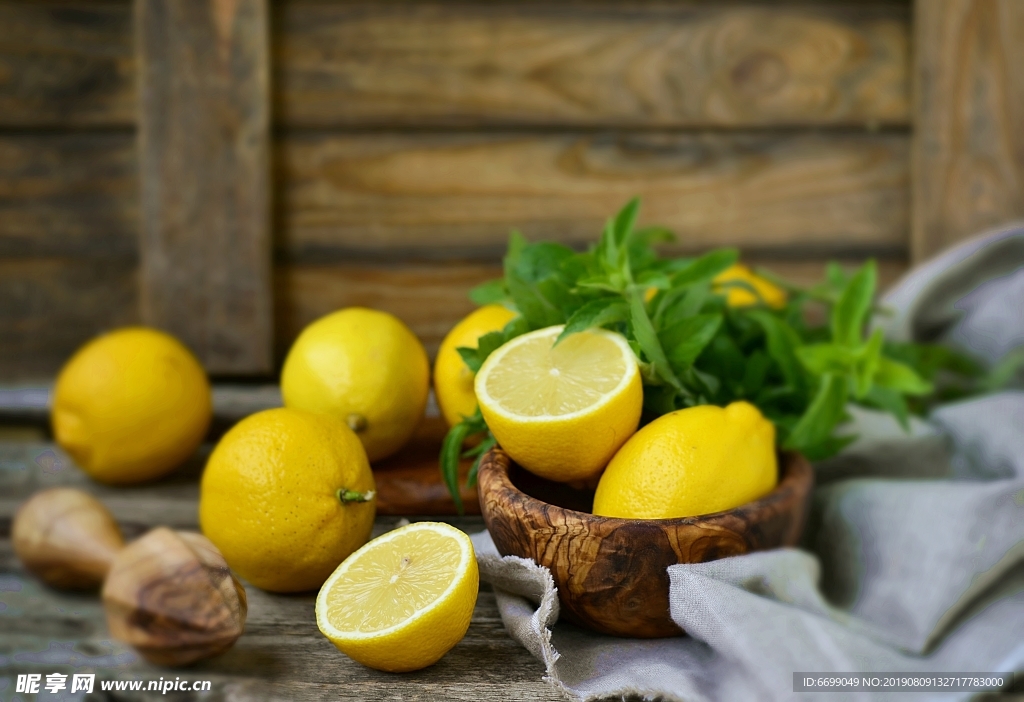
(835, 275)
(451, 449)
(533, 278)
(705, 267)
(486, 445)
(782, 344)
(686, 339)
(489, 293)
(851, 309)
(758, 364)
(641, 246)
(821, 417)
(890, 401)
(595, 313)
(517, 326)
(488, 344)
(680, 303)
(1005, 371)
(625, 220)
(647, 339)
(867, 364)
(827, 358)
(900, 377)
(470, 357)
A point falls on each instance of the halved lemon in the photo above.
(403, 600)
(561, 411)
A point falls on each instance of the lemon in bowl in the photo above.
(561, 410)
(690, 462)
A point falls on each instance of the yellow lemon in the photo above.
(366, 368)
(561, 411)
(694, 461)
(453, 380)
(131, 405)
(769, 292)
(403, 600)
(286, 496)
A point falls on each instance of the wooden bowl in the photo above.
(611, 573)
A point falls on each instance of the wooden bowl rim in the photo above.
(797, 476)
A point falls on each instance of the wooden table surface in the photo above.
(281, 655)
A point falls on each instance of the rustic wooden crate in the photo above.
(231, 170)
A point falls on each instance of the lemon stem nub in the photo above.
(356, 422)
(345, 496)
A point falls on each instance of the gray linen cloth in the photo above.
(913, 557)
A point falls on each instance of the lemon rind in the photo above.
(466, 553)
(495, 407)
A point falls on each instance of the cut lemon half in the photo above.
(561, 411)
(404, 599)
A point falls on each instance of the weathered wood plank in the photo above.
(204, 135)
(66, 64)
(590, 64)
(445, 196)
(68, 195)
(968, 119)
(431, 298)
(49, 307)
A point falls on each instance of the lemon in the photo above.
(561, 411)
(694, 461)
(453, 380)
(403, 600)
(770, 293)
(286, 496)
(366, 368)
(131, 405)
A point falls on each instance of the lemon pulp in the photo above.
(561, 411)
(403, 600)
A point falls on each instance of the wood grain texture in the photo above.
(68, 195)
(204, 143)
(611, 573)
(968, 119)
(429, 298)
(445, 196)
(432, 297)
(50, 307)
(601, 64)
(66, 64)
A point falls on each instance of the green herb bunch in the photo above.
(695, 349)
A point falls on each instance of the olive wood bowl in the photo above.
(612, 573)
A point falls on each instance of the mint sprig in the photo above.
(694, 349)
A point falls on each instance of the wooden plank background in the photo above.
(204, 159)
(409, 138)
(969, 110)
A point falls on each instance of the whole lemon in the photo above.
(364, 367)
(453, 380)
(770, 293)
(286, 496)
(694, 461)
(131, 405)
